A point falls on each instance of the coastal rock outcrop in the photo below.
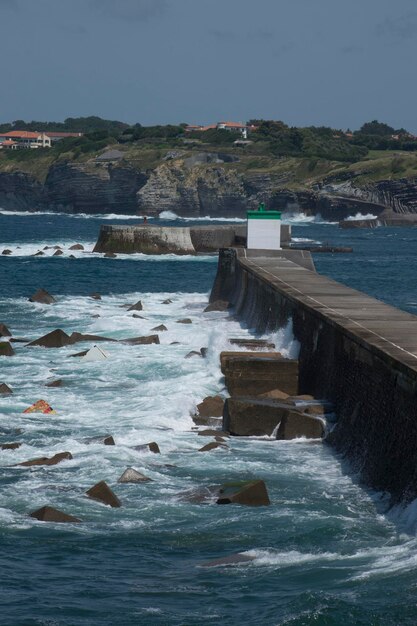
(92, 188)
(203, 184)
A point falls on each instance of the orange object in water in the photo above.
(40, 407)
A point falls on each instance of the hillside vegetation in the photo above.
(303, 157)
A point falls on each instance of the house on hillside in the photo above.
(237, 127)
(27, 139)
(8, 144)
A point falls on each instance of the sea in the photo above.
(326, 552)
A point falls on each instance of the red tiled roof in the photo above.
(21, 134)
(233, 124)
(8, 142)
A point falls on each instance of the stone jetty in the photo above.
(153, 239)
(355, 351)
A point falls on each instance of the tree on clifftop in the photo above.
(376, 128)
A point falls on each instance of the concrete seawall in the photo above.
(154, 239)
(357, 352)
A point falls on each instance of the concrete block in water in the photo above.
(49, 514)
(102, 492)
(295, 425)
(250, 417)
(6, 349)
(250, 374)
(248, 493)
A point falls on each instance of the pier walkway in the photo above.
(372, 322)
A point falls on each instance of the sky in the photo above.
(336, 63)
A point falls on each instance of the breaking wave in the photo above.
(170, 215)
(97, 216)
(302, 218)
(360, 216)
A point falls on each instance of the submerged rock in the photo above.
(5, 389)
(200, 495)
(148, 447)
(186, 320)
(248, 493)
(102, 492)
(55, 339)
(79, 354)
(78, 337)
(44, 460)
(192, 354)
(107, 440)
(4, 331)
(42, 296)
(130, 475)
(212, 446)
(95, 295)
(167, 301)
(49, 514)
(10, 446)
(55, 383)
(6, 349)
(137, 341)
(6, 252)
(136, 307)
(209, 432)
(160, 328)
(58, 253)
(76, 246)
(110, 255)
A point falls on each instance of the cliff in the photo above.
(202, 184)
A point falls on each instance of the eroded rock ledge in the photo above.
(194, 189)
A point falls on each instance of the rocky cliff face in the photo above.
(99, 189)
(193, 187)
(21, 192)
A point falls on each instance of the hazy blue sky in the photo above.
(332, 62)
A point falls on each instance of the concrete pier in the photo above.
(155, 239)
(357, 352)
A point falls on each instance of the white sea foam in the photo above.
(301, 218)
(146, 393)
(170, 215)
(360, 216)
(98, 216)
(288, 345)
(25, 249)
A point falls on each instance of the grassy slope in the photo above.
(294, 173)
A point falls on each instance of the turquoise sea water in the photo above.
(326, 552)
